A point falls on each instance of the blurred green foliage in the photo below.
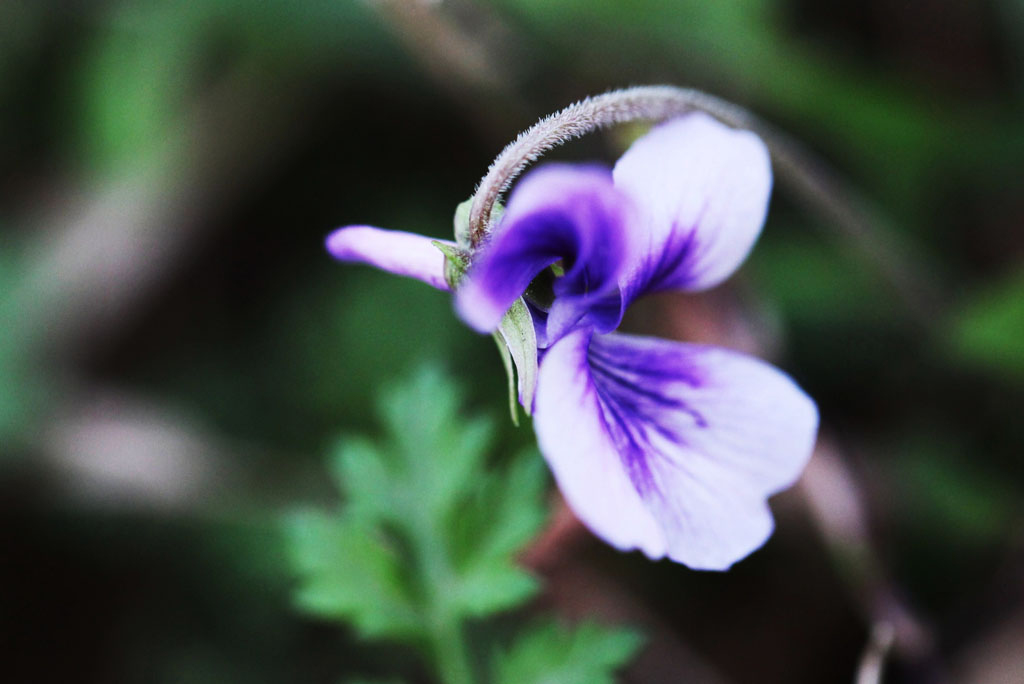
(551, 654)
(946, 497)
(988, 329)
(429, 486)
(22, 385)
(817, 282)
(149, 60)
(426, 541)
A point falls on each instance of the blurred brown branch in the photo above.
(98, 256)
(873, 661)
(838, 507)
(997, 657)
(469, 52)
(579, 590)
(97, 259)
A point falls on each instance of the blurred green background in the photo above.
(177, 352)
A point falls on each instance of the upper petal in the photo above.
(703, 191)
(405, 254)
(557, 212)
(671, 448)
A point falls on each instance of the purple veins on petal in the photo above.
(681, 210)
(671, 448)
(702, 189)
(557, 212)
(576, 444)
(405, 254)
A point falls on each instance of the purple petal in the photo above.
(558, 211)
(405, 254)
(671, 448)
(703, 190)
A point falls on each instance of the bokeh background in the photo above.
(177, 352)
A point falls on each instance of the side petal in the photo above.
(405, 254)
(557, 212)
(703, 189)
(671, 448)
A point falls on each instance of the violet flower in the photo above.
(663, 446)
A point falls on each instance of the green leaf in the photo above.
(495, 526)
(349, 573)
(429, 531)
(435, 454)
(491, 589)
(988, 329)
(357, 466)
(552, 654)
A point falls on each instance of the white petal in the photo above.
(405, 254)
(575, 442)
(668, 447)
(703, 188)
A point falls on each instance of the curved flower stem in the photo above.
(645, 103)
(807, 178)
(872, 661)
(837, 503)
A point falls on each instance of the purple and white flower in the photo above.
(663, 446)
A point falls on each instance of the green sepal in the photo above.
(520, 339)
(461, 222)
(456, 262)
(516, 336)
(506, 361)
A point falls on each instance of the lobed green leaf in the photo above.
(553, 654)
(351, 575)
(427, 528)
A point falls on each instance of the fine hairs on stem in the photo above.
(644, 103)
(835, 203)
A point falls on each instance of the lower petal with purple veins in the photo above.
(671, 448)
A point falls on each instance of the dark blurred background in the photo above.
(177, 351)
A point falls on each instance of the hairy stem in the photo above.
(838, 205)
(646, 103)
